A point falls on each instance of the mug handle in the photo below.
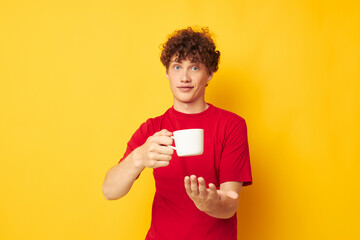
(172, 146)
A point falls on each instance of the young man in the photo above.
(196, 197)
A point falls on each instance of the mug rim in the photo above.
(189, 129)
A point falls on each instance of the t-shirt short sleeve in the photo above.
(235, 159)
(138, 138)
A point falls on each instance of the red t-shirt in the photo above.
(225, 158)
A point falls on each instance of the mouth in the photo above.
(185, 88)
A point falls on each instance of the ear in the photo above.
(167, 75)
(210, 76)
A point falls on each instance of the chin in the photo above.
(185, 99)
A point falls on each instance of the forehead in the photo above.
(176, 59)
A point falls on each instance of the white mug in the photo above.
(188, 142)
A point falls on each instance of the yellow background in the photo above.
(79, 77)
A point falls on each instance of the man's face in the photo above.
(187, 80)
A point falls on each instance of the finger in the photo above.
(161, 164)
(164, 150)
(193, 185)
(202, 187)
(158, 133)
(165, 132)
(159, 157)
(212, 191)
(162, 140)
(228, 194)
(232, 194)
(187, 185)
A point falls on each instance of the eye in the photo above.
(176, 67)
(195, 68)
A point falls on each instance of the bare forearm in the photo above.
(120, 178)
(153, 153)
(224, 209)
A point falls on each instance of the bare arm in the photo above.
(221, 203)
(120, 178)
(153, 154)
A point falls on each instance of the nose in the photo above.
(185, 77)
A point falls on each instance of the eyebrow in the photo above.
(177, 61)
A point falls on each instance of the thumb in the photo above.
(228, 194)
(165, 132)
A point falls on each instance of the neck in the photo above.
(190, 108)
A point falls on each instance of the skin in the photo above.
(221, 203)
(152, 154)
(187, 81)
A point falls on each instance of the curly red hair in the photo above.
(197, 46)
